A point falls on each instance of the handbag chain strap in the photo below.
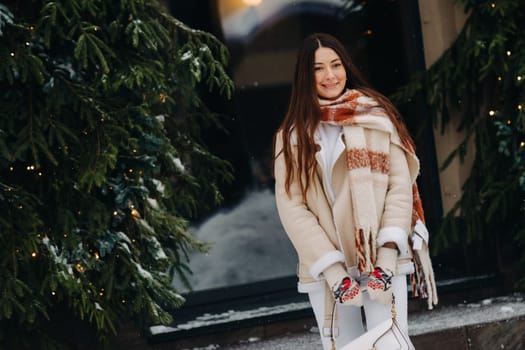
(332, 339)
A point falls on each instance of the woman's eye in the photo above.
(318, 68)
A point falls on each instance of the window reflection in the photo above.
(247, 241)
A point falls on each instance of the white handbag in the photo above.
(385, 336)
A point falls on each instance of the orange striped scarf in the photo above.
(363, 163)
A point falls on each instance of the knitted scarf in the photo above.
(368, 132)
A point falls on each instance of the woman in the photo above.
(345, 172)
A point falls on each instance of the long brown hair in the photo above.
(304, 112)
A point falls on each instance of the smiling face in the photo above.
(330, 74)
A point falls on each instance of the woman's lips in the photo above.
(331, 86)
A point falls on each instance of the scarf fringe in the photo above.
(423, 280)
(365, 247)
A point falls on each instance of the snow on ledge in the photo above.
(468, 314)
(230, 316)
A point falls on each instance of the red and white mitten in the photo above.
(346, 290)
(380, 280)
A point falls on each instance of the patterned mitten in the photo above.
(380, 281)
(346, 290)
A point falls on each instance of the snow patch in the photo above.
(507, 309)
(467, 314)
(186, 56)
(160, 329)
(159, 254)
(145, 274)
(209, 347)
(247, 244)
(123, 237)
(153, 203)
(178, 164)
(208, 319)
(161, 118)
(159, 186)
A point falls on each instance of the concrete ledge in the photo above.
(506, 334)
(494, 323)
(267, 317)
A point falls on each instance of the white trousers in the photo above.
(349, 319)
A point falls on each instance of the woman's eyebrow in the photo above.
(332, 61)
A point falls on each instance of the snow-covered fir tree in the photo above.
(481, 78)
(101, 162)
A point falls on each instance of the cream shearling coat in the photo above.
(322, 232)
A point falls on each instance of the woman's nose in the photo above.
(329, 73)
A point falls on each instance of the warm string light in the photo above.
(79, 267)
(135, 213)
(492, 113)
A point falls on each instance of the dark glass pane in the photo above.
(248, 242)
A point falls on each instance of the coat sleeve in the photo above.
(314, 248)
(397, 214)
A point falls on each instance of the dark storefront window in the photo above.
(247, 241)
